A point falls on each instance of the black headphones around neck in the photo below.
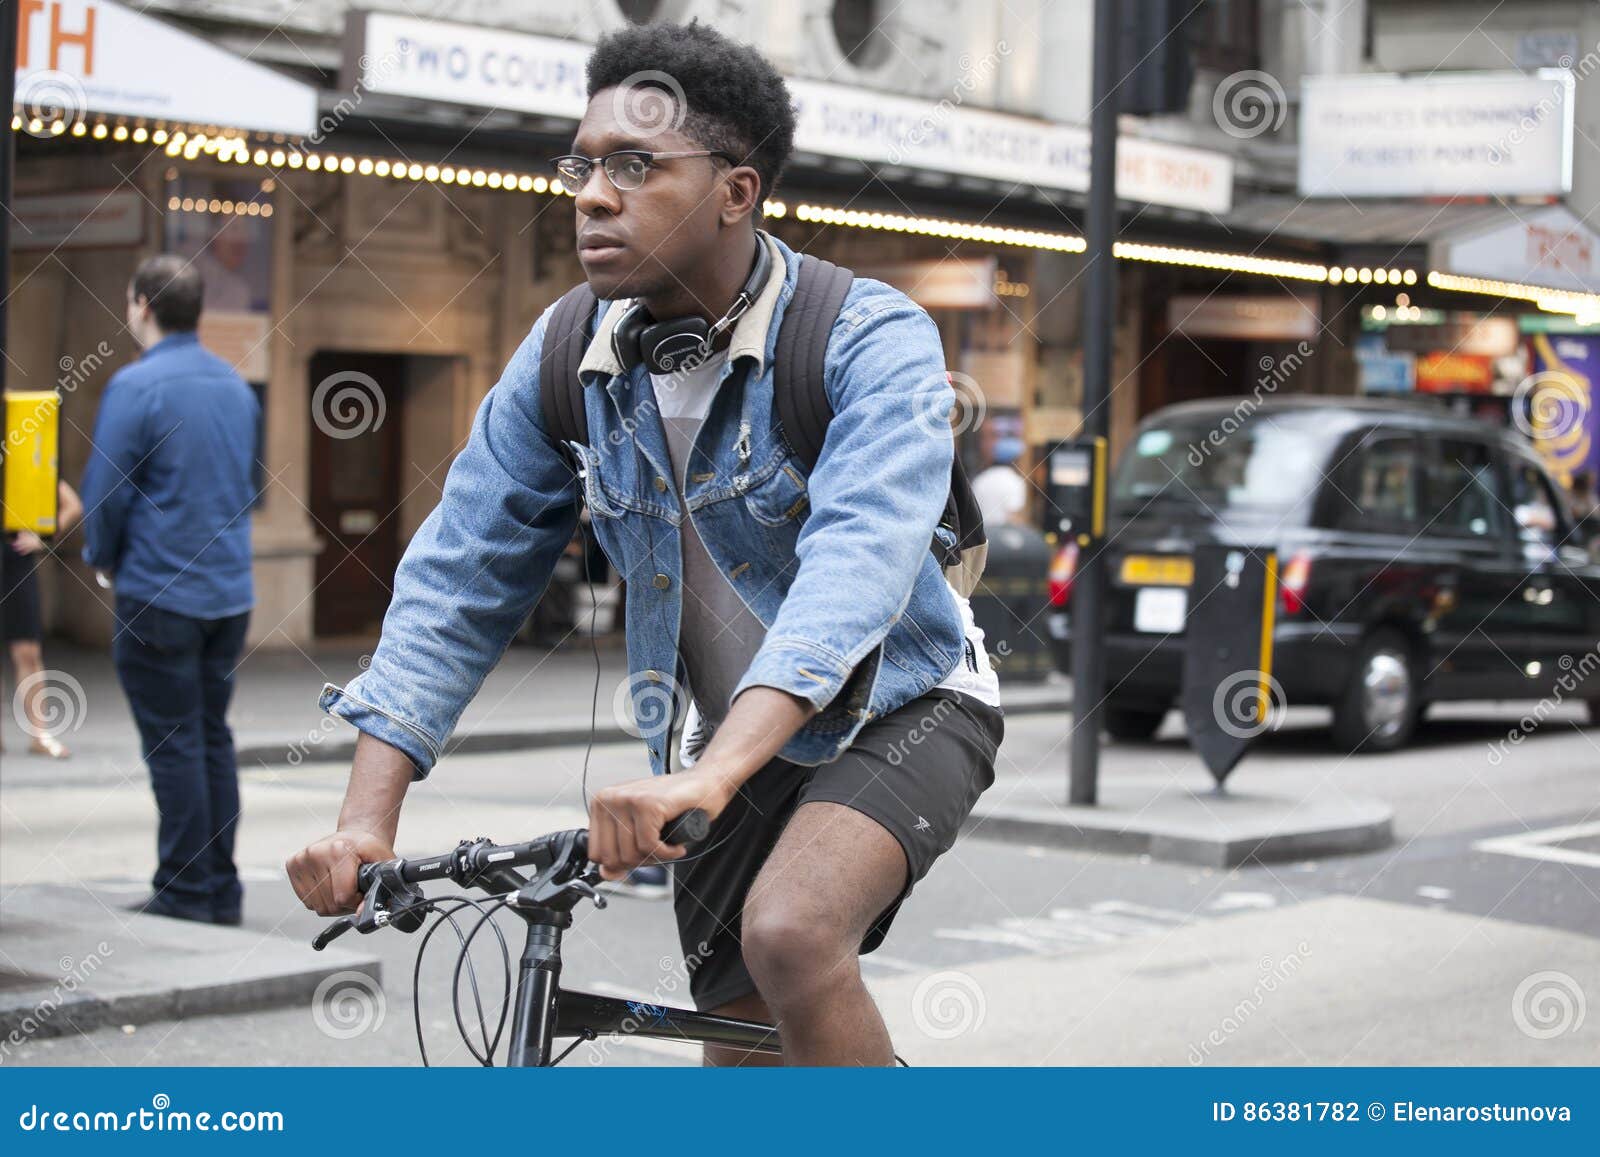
(671, 345)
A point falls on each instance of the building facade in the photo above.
(372, 265)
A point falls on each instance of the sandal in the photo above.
(51, 746)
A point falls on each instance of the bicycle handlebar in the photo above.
(469, 861)
(465, 863)
(689, 828)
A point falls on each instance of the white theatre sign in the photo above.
(474, 65)
(93, 56)
(1546, 246)
(1464, 134)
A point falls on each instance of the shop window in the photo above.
(1225, 35)
(858, 30)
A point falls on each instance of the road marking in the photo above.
(1072, 929)
(893, 963)
(1237, 901)
(1537, 845)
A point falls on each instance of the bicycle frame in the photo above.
(545, 1012)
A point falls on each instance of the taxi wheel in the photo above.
(1379, 709)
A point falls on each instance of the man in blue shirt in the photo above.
(167, 500)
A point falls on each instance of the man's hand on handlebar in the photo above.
(324, 874)
(625, 821)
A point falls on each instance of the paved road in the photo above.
(1438, 950)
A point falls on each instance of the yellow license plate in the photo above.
(1149, 570)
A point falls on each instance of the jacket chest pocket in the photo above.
(595, 496)
(605, 515)
(779, 500)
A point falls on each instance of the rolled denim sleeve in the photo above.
(472, 573)
(876, 494)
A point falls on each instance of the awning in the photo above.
(1339, 222)
(1539, 253)
(1545, 246)
(80, 57)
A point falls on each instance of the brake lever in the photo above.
(390, 902)
(332, 932)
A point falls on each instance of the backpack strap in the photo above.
(797, 362)
(566, 337)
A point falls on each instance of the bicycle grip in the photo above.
(332, 932)
(689, 828)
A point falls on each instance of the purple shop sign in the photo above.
(1555, 405)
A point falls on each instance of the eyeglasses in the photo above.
(626, 169)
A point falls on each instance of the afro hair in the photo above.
(735, 99)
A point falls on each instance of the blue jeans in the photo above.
(177, 672)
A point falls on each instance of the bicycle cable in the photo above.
(460, 902)
(465, 957)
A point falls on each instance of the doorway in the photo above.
(356, 462)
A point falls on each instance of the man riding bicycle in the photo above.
(852, 713)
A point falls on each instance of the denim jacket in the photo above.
(859, 618)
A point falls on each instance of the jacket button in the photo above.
(661, 582)
(653, 676)
(661, 484)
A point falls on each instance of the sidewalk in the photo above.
(71, 961)
(1155, 804)
(533, 698)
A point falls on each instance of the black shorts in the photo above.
(917, 771)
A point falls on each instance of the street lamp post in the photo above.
(1099, 321)
(8, 160)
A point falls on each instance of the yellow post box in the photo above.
(32, 464)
